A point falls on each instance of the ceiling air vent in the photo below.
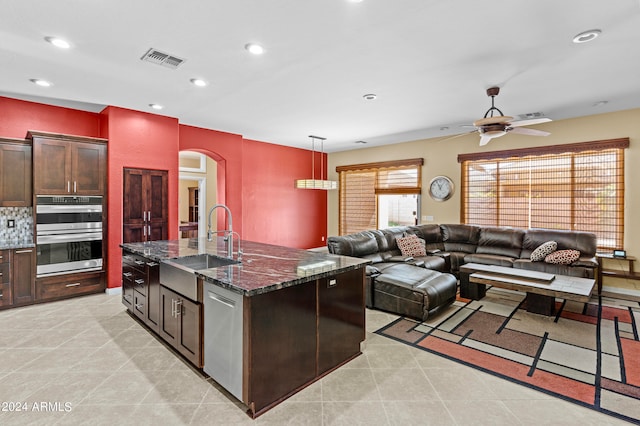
(160, 58)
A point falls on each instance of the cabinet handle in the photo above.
(144, 216)
(144, 230)
(149, 215)
(24, 251)
(72, 285)
(139, 306)
(178, 308)
(127, 297)
(139, 262)
(149, 231)
(127, 274)
(152, 264)
(68, 186)
(173, 308)
(139, 281)
(75, 186)
(332, 283)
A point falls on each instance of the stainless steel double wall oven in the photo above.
(68, 234)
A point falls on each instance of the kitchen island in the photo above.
(263, 328)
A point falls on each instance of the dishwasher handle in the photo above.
(221, 299)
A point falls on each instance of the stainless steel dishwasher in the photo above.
(223, 337)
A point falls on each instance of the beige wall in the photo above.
(211, 188)
(440, 158)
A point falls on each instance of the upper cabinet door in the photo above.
(15, 175)
(52, 167)
(68, 165)
(88, 161)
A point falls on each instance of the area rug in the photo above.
(588, 353)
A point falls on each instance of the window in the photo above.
(379, 195)
(574, 187)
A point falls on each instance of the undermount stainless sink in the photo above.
(179, 274)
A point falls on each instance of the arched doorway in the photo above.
(197, 193)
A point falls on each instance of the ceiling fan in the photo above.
(494, 126)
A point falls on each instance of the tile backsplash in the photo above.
(23, 229)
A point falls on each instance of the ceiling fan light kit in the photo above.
(494, 126)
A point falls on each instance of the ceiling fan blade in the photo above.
(485, 140)
(448, 138)
(525, 131)
(530, 122)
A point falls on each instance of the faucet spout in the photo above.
(228, 232)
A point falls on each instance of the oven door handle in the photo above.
(68, 208)
(69, 238)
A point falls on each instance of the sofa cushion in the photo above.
(585, 242)
(411, 245)
(563, 257)
(501, 241)
(543, 250)
(460, 238)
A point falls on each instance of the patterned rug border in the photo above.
(598, 374)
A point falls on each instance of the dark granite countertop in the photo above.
(264, 267)
(9, 245)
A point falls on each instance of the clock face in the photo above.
(441, 188)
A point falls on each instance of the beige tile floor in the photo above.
(100, 367)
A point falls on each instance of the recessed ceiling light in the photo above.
(370, 96)
(156, 106)
(600, 103)
(256, 49)
(41, 83)
(444, 128)
(199, 82)
(58, 42)
(362, 142)
(586, 36)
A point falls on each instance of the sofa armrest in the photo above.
(399, 259)
(589, 262)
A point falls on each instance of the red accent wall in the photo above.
(17, 117)
(137, 140)
(276, 212)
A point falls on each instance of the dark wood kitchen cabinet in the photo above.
(15, 173)
(68, 165)
(145, 205)
(23, 266)
(141, 288)
(181, 325)
(5, 279)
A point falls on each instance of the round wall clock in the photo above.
(441, 188)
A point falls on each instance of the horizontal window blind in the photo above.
(361, 183)
(580, 187)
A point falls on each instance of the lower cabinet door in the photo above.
(190, 330)
(168, 327)
(153, 295)
(23, 275)
(340, 318)
(139, 305)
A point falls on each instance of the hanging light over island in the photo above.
(314, 183)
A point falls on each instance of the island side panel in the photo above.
(280, 344)
(341, 318)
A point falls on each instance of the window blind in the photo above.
(361, 183)
(573, 187)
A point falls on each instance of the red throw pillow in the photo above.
(563, 257)
(412, 246)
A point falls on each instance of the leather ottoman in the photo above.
(412, 291)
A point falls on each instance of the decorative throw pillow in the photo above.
(563, 257)
(543, 250)
(411, 245)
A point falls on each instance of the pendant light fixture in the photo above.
(314, 183)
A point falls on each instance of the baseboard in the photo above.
(114, 290)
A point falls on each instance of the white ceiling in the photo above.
(429, 62)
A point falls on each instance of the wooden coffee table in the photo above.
(542, 288)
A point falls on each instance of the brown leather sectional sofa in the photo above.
(419, 286)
